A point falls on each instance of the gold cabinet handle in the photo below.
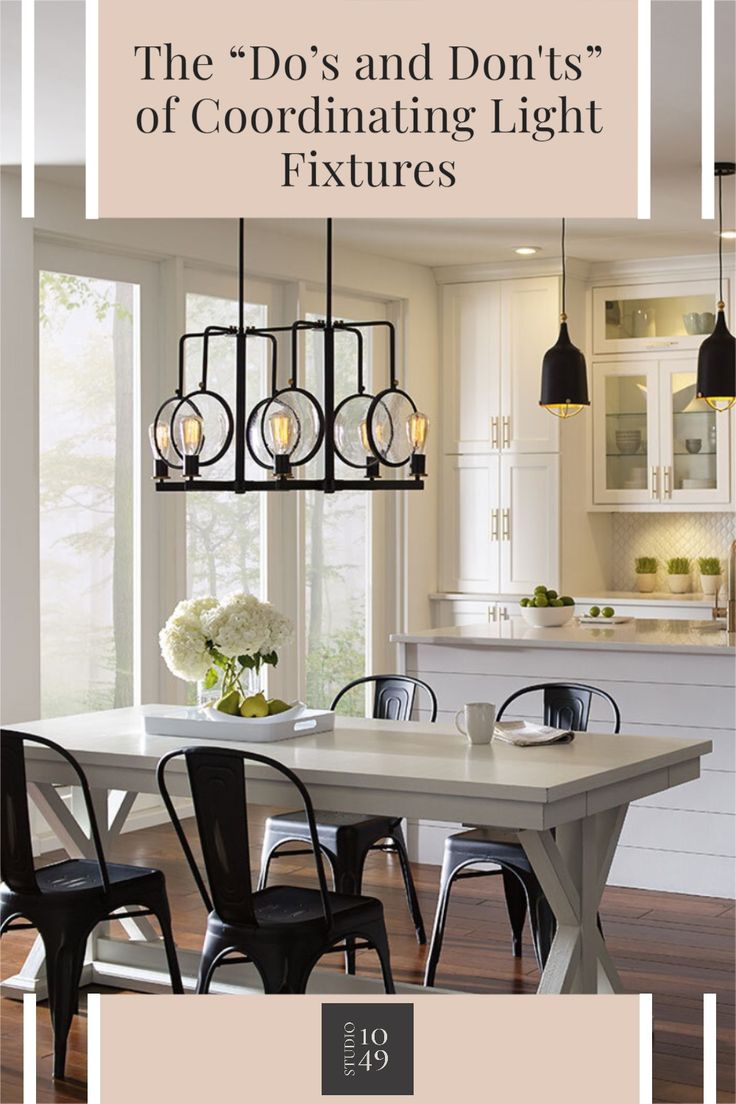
(494, 525)
(492, 612)
(494, 433)
(506, 431)
(668, 482)
(655, 483)
(505, 525)
(503, 613)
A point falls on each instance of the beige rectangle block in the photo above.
(503, 152)
(562, 1050)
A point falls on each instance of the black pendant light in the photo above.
(564, 377)
(717, 356)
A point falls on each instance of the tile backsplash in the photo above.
(663, 536)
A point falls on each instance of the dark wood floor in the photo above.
(674, 946)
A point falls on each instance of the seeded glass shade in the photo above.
(564, 378)
(717, 366)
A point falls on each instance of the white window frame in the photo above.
(53, 256)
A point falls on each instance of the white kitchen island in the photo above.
(670, 678)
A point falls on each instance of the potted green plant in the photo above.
(710, 574)
(646, 573)
(678, 574)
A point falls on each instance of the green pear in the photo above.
(229, 703)
(276, 705)
(255, 706)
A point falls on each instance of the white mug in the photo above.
(480, 720)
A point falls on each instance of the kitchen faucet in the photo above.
(729, 610)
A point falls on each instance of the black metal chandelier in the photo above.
(372, 433)
(717, 355)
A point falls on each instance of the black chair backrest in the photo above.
(17, 869)
(218, 784)
(394, 695)
(566, 704)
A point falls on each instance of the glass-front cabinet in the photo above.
(654, 442)
(646, 317)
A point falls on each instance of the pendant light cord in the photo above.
(720, 238)
(564, 273)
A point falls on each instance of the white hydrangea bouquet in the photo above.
(224, 644)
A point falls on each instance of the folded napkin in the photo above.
(526, 734)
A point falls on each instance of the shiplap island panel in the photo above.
(669, 679)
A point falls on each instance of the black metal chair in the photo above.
(566, 705)
(347, 838)
(65, 901)
(283, 930)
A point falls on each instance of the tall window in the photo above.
(88, 371)
(224, 531)
(337, 542)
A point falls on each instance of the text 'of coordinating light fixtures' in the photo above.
(717, 356)
(564, 376)
(371, 433)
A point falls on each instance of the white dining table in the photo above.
(566, 802)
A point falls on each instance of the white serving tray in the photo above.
(617, 619)
(192, 723)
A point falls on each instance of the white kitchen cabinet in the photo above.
(494, 336)
(500, 522)
(655, 444)
(530, 319)
(637, 318)
(530, 511)
(469, 526)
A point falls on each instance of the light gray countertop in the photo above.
(639, 634)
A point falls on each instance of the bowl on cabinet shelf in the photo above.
(547, 617)
(628, 441)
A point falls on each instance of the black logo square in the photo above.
(368, 1049)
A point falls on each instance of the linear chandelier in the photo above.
(371, 433)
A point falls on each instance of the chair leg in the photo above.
(411, 894)
(348, 872)
(544, 924)
(64, 960)
(516, 905)
(379, 939)
(447, 877)
(163, 915)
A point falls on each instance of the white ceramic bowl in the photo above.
(547, 617)
(213, 714)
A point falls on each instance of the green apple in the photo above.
(552, 594)
(255, 706)
(557, 602)
(524, 602)
(594, 611)
(542, 600)
(276, 705)
(540, 590)
(229, 703)
(567, 600)
(608, 611)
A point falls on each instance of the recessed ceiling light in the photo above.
(727, 235)
(527, 250)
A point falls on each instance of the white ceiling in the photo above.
(675, 228)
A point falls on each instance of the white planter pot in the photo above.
(646, 583)
(711, 584)
(679, 584)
